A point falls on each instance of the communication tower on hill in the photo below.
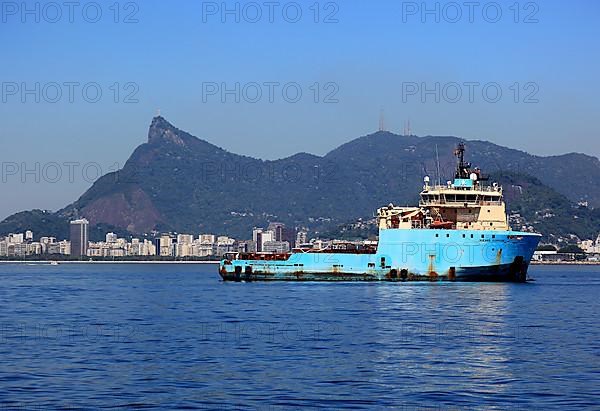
(381, 120)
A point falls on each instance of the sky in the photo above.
(81, 81)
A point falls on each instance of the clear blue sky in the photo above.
(376, 49)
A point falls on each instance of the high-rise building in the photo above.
(257, 239)
(79, 237)
(15, 238)
(156, 243)
(207, 238)
(185, 239)
(279, 247)
(283, 233)
(260, 237)
(111, 238)
(277, 229)
(301, 238)
(166, 246)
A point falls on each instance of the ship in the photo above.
(458, 232)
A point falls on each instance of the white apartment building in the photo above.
(207, 239)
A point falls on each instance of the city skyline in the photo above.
(276, 238)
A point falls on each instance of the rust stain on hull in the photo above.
(433, 275)
(499, 257)
(514, 272)
(452, 274)
(330, 277)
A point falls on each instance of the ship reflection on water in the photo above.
(451, 335)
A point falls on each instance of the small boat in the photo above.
(442, 224)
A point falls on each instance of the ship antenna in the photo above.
(461, 167)
(437, 158)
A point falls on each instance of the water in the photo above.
(174, 336)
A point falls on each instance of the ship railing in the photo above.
(487, 189)
(416, 224)
(452, 202)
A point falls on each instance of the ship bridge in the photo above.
(466, 202)
(458, 194)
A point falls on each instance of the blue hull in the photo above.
(405, 255)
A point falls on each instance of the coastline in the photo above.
(565, 263)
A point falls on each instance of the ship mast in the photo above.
(462, 169)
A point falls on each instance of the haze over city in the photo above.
(219, 71)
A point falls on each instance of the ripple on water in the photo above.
(166, 337)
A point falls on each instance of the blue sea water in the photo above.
(175, 337)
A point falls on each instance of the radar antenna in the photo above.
(462, 169)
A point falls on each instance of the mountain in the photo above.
(530, 204)
(43, 223)
(574, 175)
(177, 182)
